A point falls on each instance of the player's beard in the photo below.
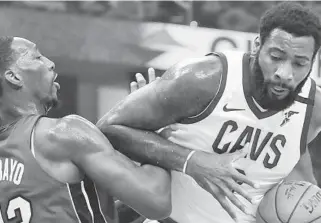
(261, 90)
(51, 101)
(53, 104)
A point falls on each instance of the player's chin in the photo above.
(55, 102)
(277, 96)
(281, 97)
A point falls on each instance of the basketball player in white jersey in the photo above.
(220, 103)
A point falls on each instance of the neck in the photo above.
(12, 109)
(255, 91)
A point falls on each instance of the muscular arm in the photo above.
(303, 169)
(146, 189)
(183, 91)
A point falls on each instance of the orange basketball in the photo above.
(291, 202)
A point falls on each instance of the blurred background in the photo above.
(98, 46)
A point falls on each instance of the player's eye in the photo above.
(301, 63)
(275, 58)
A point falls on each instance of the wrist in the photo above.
(189, 163)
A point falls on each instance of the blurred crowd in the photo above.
(230, 15)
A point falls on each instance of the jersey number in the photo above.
(18, 205)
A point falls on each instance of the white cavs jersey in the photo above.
(275, 139)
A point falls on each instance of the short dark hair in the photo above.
(293, 18)
(7, 57)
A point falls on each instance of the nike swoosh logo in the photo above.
(231, 109)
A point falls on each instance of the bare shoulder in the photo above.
(56, 141)
(184, 90)
(317, 106)
(318, 93)
(64, 136)
(318, 96)
(193, 81)
(199, 69)
(61, 129)
(315, 124)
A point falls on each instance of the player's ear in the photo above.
(13, 79)
(256, 45)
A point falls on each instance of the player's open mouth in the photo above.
(56, 83)
(280, 91)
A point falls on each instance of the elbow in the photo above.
(102, 124)
(106, 120)
(105, 123)
(114, 133)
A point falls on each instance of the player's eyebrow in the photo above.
(302, 57)
(279, 50)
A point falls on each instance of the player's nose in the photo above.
(50, 64)
(284, 74)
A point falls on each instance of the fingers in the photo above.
(140, 80)
(228, 193)
(133, 86)
(244, 179)
(238, 189)
(151, 74)
(218, 194)
(239, 154)
(226, 205)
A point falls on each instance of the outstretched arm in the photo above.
(183, 91)
(144, 188)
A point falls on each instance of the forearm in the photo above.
(147, 147)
